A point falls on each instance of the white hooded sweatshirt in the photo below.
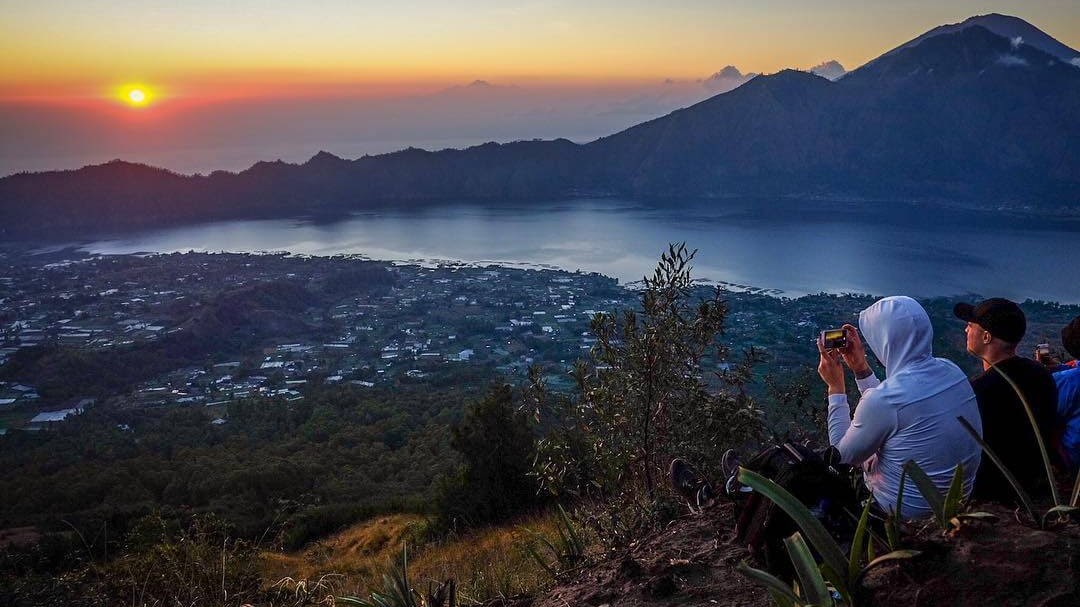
(909, 416)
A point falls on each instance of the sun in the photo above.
(135, 95)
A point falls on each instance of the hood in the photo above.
(898, 331)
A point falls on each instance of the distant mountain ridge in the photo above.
(964, 115)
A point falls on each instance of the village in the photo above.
(431, 321)
(278, 326)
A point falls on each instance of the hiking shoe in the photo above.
(685, 480)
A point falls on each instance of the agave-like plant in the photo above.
(1034, 426)
(1025, 499)
(948, 509)
(842, 573)
(1073, 505)
(397, 591)
(568, 549)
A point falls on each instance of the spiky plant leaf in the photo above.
(770, 582)
(835, 565)
(1038, 435)
(1075, 499)
(782, 601)
(977, 516)
(895, 555)
(1058, 510)
(858, 541)
(806, 568)
(892, 521)
(928, 490)
(1025, 499)
(955, 495)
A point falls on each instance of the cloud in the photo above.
(1075, 61)
(726, 79)
(1016, 42)
(829, 69)
(1012, 60)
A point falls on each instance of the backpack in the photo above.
(824, 487)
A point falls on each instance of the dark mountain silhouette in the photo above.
(962, 115)
(965, 115)
(1013, 28)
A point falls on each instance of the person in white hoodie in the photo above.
(911, 415)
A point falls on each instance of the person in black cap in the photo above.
(994, 328)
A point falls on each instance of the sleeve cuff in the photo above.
(838, 400)
(868, 382)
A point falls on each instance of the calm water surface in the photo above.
(796, 247)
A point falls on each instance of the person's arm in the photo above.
(859, 438)
(856, 439)
(868, 381)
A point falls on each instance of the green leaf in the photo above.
(977, 516)
(781, 600)
(1035, 427)
(1075, 500)
(892, 521)
(1058, 510)
(928, 490)
(769, 581)
(858, 541)
(1024, 498)
(835, 563)
(895, 555)
(955, 494)
(810, 580)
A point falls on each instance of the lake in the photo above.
(795, 247)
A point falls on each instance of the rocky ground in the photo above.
(1002, 563)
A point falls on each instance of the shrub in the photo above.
(643, 398)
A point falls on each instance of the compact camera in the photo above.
(834, 339)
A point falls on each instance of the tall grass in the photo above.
(485, 564)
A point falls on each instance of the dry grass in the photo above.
(486, 563)
(359, 553)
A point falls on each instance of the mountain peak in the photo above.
(968, 51)
(1006, 26)
(323, 157)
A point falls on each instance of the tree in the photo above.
(497, 446)
(643, 398)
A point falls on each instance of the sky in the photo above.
(228, 83)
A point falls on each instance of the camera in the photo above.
(833, 339)
(1042, 353)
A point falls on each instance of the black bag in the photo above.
(824, 487)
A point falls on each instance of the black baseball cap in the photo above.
(1070, 337)
(1001, 317)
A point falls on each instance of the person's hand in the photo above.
(830, 369)
(1046, 359)
(854, 354)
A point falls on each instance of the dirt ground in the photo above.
(1002, 563)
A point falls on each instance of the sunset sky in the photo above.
(76, 62)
